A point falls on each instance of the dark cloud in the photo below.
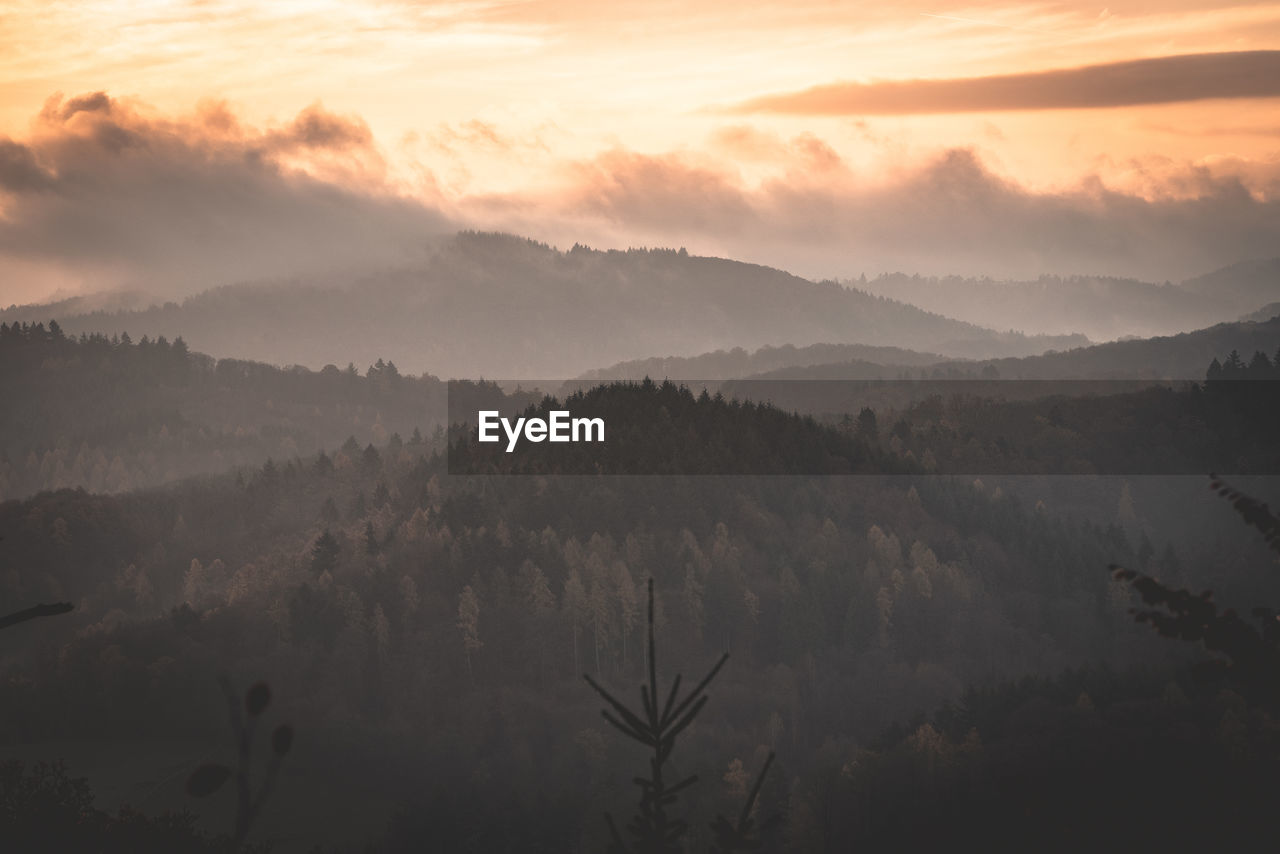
(315, 128)
(103, 193)
(19, 171)
(95, 102)
(1169, 79)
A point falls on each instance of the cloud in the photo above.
(649, 192)
(805, 151)
(950, 214)
(1163, 80)
(316, 129)
(19, 171)
(104, 193)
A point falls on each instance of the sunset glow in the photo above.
(521, 115)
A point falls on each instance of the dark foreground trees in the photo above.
(653, 829)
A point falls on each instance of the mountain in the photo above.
(499, 306)
(1103, 308)
(1267, 312)
(737, 363)
(1185, 356)
(105, 302)
(112, 415)
(1247, 284)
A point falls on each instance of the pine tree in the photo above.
(657, 726)
(323, 465)
(469, 623)
(866, 428)
(574, 603)
(628, 603)
(329, 511)
(324, 554)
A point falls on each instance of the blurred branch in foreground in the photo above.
(35, 612)
(657, 727)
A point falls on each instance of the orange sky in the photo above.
(504, 113)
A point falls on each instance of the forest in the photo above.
(109, 414)
(489, 427)
(917, 653)
(1226, 424)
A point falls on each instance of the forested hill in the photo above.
(946, 427)
(1265, 313)
(1101, 307)
(738, 363)
(500, 306)
(1178, 357)
(418, 626)
(662, 428)
(110, 414)
(1245, 283)
(1183, 356)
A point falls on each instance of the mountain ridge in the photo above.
(521, 308)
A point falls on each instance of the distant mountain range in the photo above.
(1182, 356)
(1082, 372)
(491, 305)
(738, 363)
(1099, 307)
(500, 306)
(1265, 313)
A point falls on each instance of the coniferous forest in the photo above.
(560, 427)
(276, 609)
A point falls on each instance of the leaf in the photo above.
(282, 739)
(207, 779)
(257, 699)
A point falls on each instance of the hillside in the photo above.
(1247, 284)
(1267, 312)
(1104, 308)
(737, 363)
(500, 306)
(854, 602)
(1183, 356)
(952, 428)
(1174, 357)
(110, 415)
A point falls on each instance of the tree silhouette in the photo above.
(1252, 653)
(743, 836)
(656, 727)
(35, 612)
(210, 777)
(324, 554)
(469, 623)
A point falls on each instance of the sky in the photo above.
(173, 146)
